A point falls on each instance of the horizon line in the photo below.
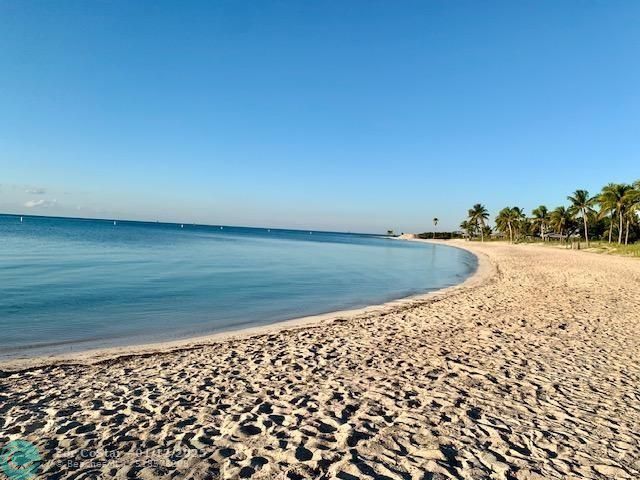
(113, 219)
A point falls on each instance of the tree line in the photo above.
(613, 213)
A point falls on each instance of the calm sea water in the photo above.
(71, 284)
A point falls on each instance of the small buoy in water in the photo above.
(268, 229)
(181, 225)
(310, 233)
(114, 222)
(220, 228)
(20, 219)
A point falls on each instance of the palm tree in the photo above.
(435, 224)
(509, 219)
(582, 206)
(614, 198)
(467, 227)
(559, 220)
(478, 215)
(520, 221)
(634, 195)
(630, 217)
(607, 201)
(502, 222)
(631, 202)
(541, 219)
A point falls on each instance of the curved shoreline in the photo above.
(485, 270)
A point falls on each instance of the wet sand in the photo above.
(529, 370)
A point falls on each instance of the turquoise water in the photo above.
(72, 284)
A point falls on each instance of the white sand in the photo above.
(530, 370)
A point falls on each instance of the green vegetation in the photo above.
(541, 220)
(597, 220)
(582, 207)
(632, 250)
(478, 216)
(512, 220)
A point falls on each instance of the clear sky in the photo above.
(342, 115)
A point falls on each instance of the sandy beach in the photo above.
(529, 370)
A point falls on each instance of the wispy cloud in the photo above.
(36, 191)
(40, 203)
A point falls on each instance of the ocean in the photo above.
(76, 284)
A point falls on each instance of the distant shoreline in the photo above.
(158, 222)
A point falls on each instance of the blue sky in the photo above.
(344, 115)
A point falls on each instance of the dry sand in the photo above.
(531, 370)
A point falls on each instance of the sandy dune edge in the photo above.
(531, 373)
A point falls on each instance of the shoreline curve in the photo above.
(484, 272)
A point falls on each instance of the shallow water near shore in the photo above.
(72, 284)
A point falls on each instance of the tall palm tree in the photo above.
(509, 219)
(607, 205)
(631, 201)
(614, 198)
(582, 207)
(520, 221)
(541, 219)
(503, 223)
(635, 196)
(473, 223)
(559, 220)
(630, 218)
(478, 215)
(435, 224)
